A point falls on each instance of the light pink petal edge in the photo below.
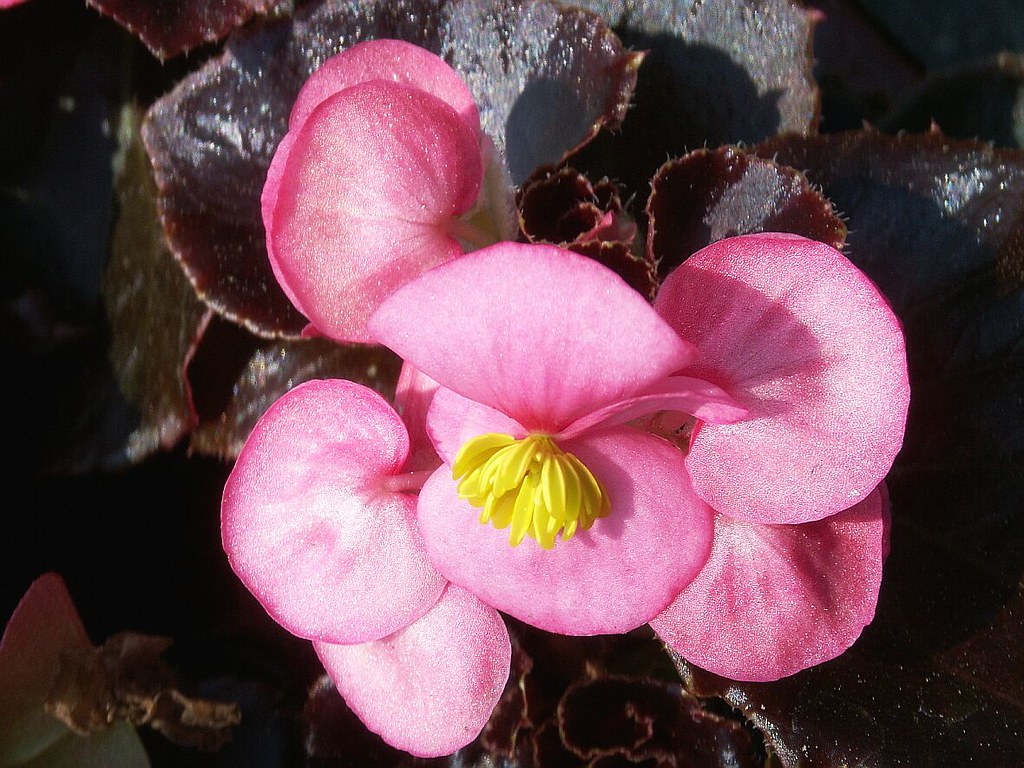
(612, 578)
(806, 342)
(309, 527)
(392, 60)
(541, 334)
(430, 688)
(776, 599)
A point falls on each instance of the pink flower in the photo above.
(399, 594)
(803, 340)
(381, 164)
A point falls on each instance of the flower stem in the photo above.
(408, 482)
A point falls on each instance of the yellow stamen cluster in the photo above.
(531, 484)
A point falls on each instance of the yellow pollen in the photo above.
(529, 484)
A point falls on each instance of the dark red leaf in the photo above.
(170, 27)
(546, 78)
(155, 318)
(605, 701)
(717, 72)
(711, 194)
(862, 73)
(639, 272)
(932, 682)
(564, 207)
(268, 370)
(638, 720)
(979, 100)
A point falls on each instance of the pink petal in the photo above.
(309, 527)
(681, 394)
(542, 334)
(775, 599)
(454, 419)
(807, 343)
(367, 190)
(413, 395)
(44, 624)
(428, 689)
(612, 578)
(393, 60)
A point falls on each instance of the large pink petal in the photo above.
(364, 199)
(430, 688)
(309, 527)
(393, 60)
(775, 599)
(612, 578)
(806, 342)
(44, 624)
(541, 334)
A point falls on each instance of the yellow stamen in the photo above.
(531, 485)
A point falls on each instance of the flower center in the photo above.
(531, 484)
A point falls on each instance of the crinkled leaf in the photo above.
(546, 79)
(636, 270)
(265, 371)
(981, 100)
(155, 318)
(612, 716)
(170, 27)
(939, 225)
(580, 701)
(43, 632)
(716, 72)
(564, 207)
(712, 194)
(126, 679)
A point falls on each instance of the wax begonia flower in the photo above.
(809, 346)
(541, 354)
(317, 518)
(317, 521)
(369, 187)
